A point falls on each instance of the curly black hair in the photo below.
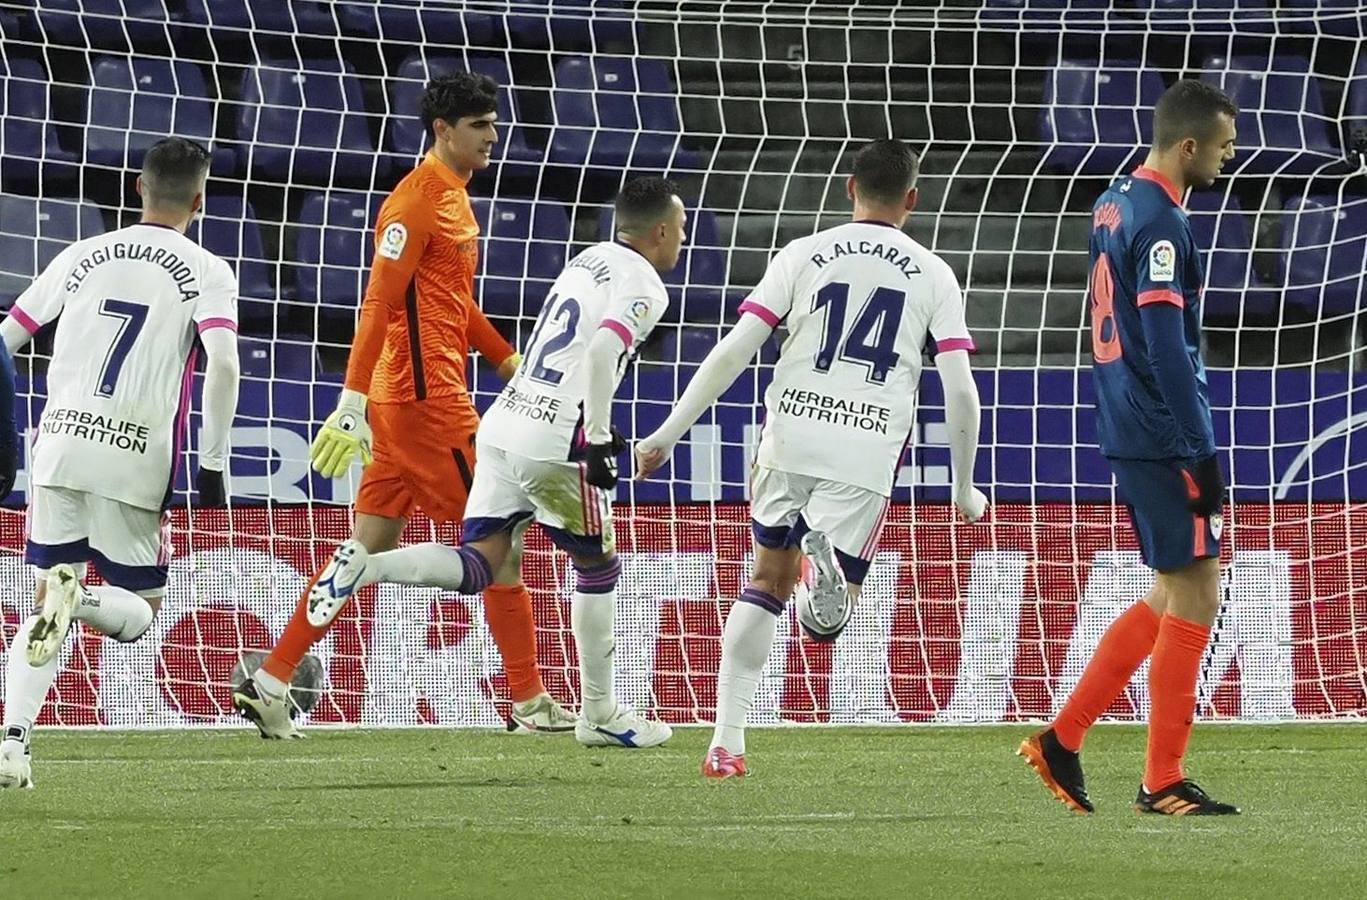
(453, 97)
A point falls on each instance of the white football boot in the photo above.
(63, 593)
(541, 715)
(16, 765)
(273, 716)
(827, 597)
(626, 728)
(336, 583)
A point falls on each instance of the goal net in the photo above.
(1022, 110)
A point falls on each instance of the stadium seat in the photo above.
(1233, 289)
(406, 136)
(1355, 98)
(272, 17)
(105, 24)
(1098, 121)
(27, 133)
(1345, 18)
(1281, 122)
(418, 23)
(307, 124)
(334, 247)
(614, 113)
(1324, 254)
(1076, 13)
(573, 25)
(289, 357)
(32, 232)
(156, 97)
(229, 227)
(1207, 15)
(697, 284)
(523, 251)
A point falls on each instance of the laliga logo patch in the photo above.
(1217, 525)
(392, 242)
(1162, 262)
(636, 312)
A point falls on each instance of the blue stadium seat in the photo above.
(334, 248)
(307, 124)
(523, 252)
(291, 357)
(105, 24)
(1281, 122)
(406, 137)
(1084, 14)
(1207, 15)
(573, 25)
(270, 17)
(230, 228)
(697, 284)
(156, 97)
(32, 232)
(1098, 120)
(1355, 97)
(614, 113)
(1324, 254)
(1233, 289)
(418, 23)
(26, 129)
(1345, 18)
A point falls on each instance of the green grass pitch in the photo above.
(905, 812)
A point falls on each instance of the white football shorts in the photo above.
(785, 506)
(130, 546)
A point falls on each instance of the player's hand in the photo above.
(209, 484)
(345, 435)
(508, 368)
(971, 503)
(601, 461)
(651, 455)
(1210, 487)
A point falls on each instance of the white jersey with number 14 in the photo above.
(860, 301)
(130, 304)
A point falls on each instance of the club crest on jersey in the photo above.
(1162, 262)
(392, 242)
(1217, 525)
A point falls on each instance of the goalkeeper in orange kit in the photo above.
(405, 384)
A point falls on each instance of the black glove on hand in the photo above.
(601, 460)
(1210, 485)
(210, 486)
(9, 469)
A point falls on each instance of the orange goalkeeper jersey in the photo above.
(419, 317)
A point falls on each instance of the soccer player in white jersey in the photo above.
(131, 305)
(548, 452)
(859, 300)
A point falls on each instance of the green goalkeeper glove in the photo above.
(345, 434)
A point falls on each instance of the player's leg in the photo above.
(838, 532)
(442, 486)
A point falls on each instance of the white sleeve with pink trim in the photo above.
(772, 298)
(217, 303)
(948, 326)
(45, 298)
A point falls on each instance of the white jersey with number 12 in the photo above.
(130, 303)
(860, 301)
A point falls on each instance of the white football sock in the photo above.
(114, 611)
(430, 565)
(269, 684)
(591, 617)
(745, 644)
(26, 686)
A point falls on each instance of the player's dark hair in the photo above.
(173, 171)
(453, 97)
(885, 170)
(644, 202)
(1189, 109)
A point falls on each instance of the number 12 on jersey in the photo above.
(872, 337)
(131, 317)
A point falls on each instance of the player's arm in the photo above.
(216, 320)
(484, 337)
(405, 225)
(9, 431)
(963, 415)
(621, 332)
(1160, 257)
(40, 304)
(718, 372)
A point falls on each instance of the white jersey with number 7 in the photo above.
(130, 304)
(860, 301)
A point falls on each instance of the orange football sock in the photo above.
(298, 639)
(508, 610)
(1123, 647)
(1172, 691)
